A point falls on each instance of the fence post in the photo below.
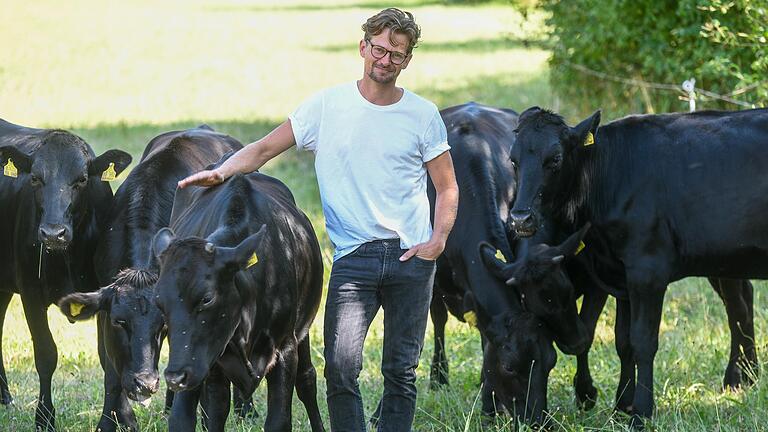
(689, 86)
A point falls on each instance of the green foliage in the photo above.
(720, 43)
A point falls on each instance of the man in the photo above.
(374, 143)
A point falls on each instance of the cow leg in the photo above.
(625, 392)
(591, 307)
(243, 404)
(5, 393)
(116, 410)
(169, 395)
(439, 370)
(183, 416)
(736, 295)
(306, 385)
(280, 382)
(46, 358)
(215, 401)
(646, 302)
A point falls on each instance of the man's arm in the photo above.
(440, 170)
(248, 159)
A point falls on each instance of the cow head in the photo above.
(517, 360)
(59, 173)
(545, 156)
(545, 289)
(200, 300)
(133, 325)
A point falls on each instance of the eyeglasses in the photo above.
(378, 51)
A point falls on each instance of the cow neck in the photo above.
(582, 193)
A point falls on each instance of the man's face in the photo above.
(382, 70)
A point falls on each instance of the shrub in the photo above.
(720, 43)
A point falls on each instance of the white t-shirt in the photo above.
(370, 164)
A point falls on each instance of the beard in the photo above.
(386, 79)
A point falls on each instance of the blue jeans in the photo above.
(361, 282)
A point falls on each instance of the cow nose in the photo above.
(54, 235)
(146, 383)
(176, 380)
(523, 223)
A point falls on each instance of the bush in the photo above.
(720, 43)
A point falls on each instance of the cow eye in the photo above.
(82, 181)
(121, 323)
(206, 301)
(35, 180)
(554, 162)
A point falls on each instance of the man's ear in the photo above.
(20, 160)
(363, 45)
(160, 242)
(82, 306)
(117, 158)
(405, 63)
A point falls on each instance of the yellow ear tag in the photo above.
(252, 260)
(75, 309)
(590, 139)
(109, 174)
(10, 169)
(471, 318)
(500, 256)
(580, 248)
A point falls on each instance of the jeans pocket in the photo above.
(424, 261)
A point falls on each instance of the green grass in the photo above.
(119, 73)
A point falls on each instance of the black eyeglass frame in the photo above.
(386, 51)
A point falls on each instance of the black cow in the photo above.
(546, 276)
(53, 211)
(130, 326)
(668, 196)
(480, 137)
(239, 300)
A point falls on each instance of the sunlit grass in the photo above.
(119, 73)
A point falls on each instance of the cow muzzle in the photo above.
(143, 386)
(523, 223)
(55, 236)
(177, 380)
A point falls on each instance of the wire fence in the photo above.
(688, 89)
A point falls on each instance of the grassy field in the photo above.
(119, 73)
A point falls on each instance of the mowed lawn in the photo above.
(118, 73)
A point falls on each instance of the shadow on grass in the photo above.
(473, 45)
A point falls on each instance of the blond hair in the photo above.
(397, 21)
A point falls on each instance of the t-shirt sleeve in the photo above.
(305, 122)
(434, 142)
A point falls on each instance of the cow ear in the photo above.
(248, 252)
(20, 160)
(160, 242)
(497, 267)
(475, 311)
(116, 160)
(585, 132)
(572, 244)
(83, 306)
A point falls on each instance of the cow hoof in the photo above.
(626, 409)
(637, 423)
(436, 383)
(586, 396)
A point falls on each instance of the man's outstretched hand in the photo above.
(203, 178)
